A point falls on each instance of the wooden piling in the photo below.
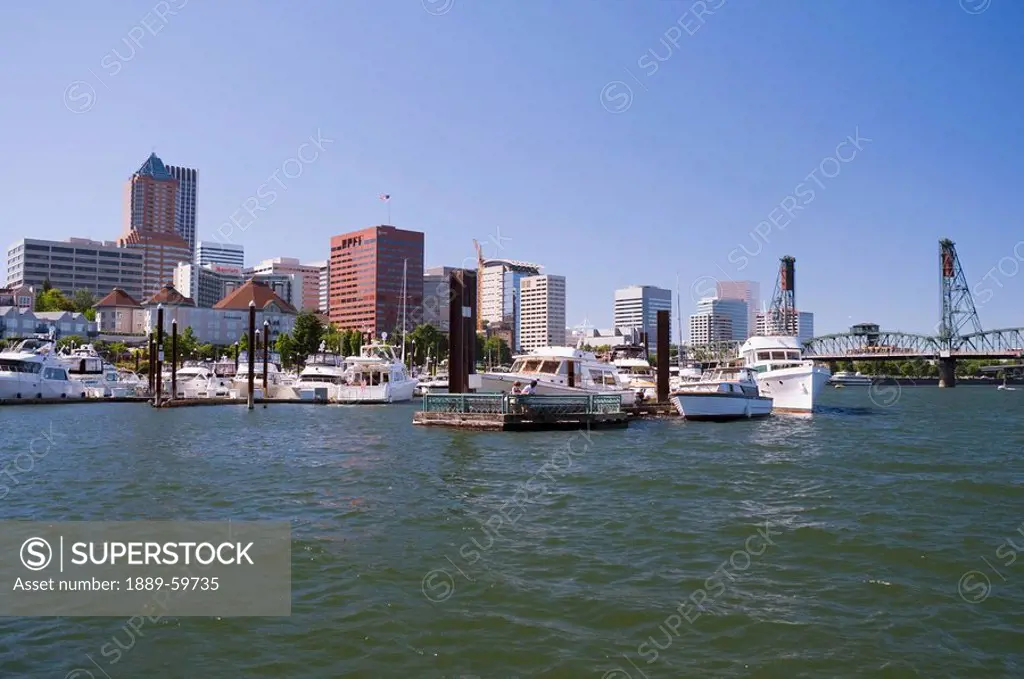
(151, 359)
(252, 354)
(663, 355)
(174, 358)
(158, 377)
(461, 330)
(266, 355)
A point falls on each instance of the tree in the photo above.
(187, 343)
(308, 333)
(428, 340)
(333, 338)
(497, 351)
(53, 300)
(47, 286)
(116, 350)
(83, 300)
(285, 346)
(243, 342)
(206, 351)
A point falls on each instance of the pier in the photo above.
(506, 412)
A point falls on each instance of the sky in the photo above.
(653, 142)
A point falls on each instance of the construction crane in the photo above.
(479, 286)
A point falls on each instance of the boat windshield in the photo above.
(320, 379)
(779, 355)
(11, 366)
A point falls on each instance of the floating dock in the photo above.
(65, 401)
(505, 412)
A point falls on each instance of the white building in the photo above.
(804, 325)
(637, 307)
(323, 286)
(74, 264)
(306, 291)
(542, 312)
(719, 320)
(223, 254)
(749, 292)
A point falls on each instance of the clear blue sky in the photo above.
(490, 116)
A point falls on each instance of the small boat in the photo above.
(723, 394)
(438, 384)
(847, 378)
(1003, 387)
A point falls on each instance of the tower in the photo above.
(782, 315)
(957, 303)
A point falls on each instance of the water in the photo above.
(833, 547)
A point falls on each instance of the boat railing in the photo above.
(513, 404)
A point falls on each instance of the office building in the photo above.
(719, 320)
(498, 303)
(437, 296)
(323, 286)
(804, 325)
(185, 209)
(222, 254)
(367, 269)
(305, 293)
(207, 284)
(74, 264)
(542, 312)
(637, 307)
(748, 291)
(151, 200)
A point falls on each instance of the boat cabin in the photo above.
(553, 367)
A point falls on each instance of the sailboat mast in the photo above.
(679, 324)
(405, 276)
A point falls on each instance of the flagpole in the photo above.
(389, 210)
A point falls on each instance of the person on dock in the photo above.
(517, 388)
(529, 389)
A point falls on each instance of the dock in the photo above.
(506, 412)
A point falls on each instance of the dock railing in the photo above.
(508, 404)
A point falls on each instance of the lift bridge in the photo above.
(958, 333)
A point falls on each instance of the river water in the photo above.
(878, 538)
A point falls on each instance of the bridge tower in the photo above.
(782, 315)
(958, 310)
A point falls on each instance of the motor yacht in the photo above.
(323, 370)
(635, 371)
(792, 383)
(85, 365)
(559, 371)
(278, 386)
(33, 369)
(850, 379)
(198, 380)
(376, 375)
(437, 384)
(722, 394)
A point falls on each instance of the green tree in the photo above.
(83, 300)
(496, 351)
(285, 346)
(187, 343)
(53, 300)
(428, 340)
(308, 333)
(47, 286)
(333, 338)
(206, 351)
(116, 351)
(243, 342)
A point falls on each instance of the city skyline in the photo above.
(561, 174)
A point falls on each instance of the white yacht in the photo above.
(635, 371)
(34, 370)
(438, 384)
(376, 375)
(722, 394)
(792, 383)
(197, 380)
(279, 384)
(849, 379)
(323, 370)
(550, 368)
(85, 365)
(678, 376)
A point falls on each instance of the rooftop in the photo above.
(254, 291)
(117, 297)
(154, 167)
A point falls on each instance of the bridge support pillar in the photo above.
(947, 372)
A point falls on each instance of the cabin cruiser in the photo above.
(722, 394)
(376, 375)
(682, 375)
(792, 383)
(197, 380)
(323, 370)
(438, 384)
(635, 371)
(85, 365)
(559, 371)
(278, 384)
(34, 370)
(850, 379)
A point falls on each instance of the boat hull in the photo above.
(793, 390)
(391, 392)
(720, 407)
(503, 382)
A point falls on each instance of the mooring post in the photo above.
(266, 355)
(159, 353)
(174, 359)
(456, 333)
(947, 372)
(252, 353)
(663, 354)
(151, 360)
(647, 344)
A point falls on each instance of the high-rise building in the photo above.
(437, 297)
(323, 286)
(74, 264)
(306, 294)
(207, 284)
(366, 273)
(185, 210)
(151, 199)
(804, 325)
(500, 283)
(719, 320)
(637, 307)
(542, 313)
(749, 292)
(224, 254)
